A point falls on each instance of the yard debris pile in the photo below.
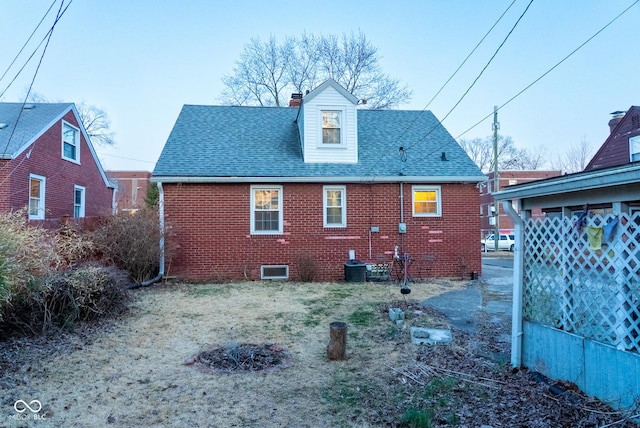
(471, 383)
(242, 357)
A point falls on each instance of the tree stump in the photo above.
(337, 347)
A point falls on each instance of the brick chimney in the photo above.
(616, 117)
(296, 100)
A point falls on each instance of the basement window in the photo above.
(274, 272)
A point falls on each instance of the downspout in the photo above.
(161, 218)
(401, 217)
(518, 284)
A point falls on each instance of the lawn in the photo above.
(138, 371)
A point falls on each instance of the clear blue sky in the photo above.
(141, 60)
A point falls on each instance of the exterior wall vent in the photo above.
(274, 272)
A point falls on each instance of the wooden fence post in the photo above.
(337, 347)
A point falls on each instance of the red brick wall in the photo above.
(132, 188)
(210, 225)
(615, 150)
(44, 158)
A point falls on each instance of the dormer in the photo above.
(328, 125)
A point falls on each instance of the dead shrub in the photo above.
(26, 253)
(75, 246)
(131, 241)
(61, 299)
(307, 267)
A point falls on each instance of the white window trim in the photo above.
(438, 191)
(41, 206)
(285, 276)
(343, 222)
(77, 143)
(280, 213)
(343, 127)
(82, 202)
(634, 148)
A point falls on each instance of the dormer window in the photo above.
(70, 143)
(331, 127)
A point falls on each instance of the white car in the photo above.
(506, 243)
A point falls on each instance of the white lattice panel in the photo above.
(571, 285)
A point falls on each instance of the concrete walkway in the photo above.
(483, 303)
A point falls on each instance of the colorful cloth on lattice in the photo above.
(594, 234)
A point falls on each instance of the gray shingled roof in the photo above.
(231, 141)
(30, 124)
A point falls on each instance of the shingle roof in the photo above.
(31, 123)
(234, 141)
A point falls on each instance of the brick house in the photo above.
(247, 191)
(132, 189)
(48, 165)
(487, 203)
(623, 143)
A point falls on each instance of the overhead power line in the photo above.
(27, 42)
(50, 33)
(475, 80)
(535, 81)
(402, 150)
(552, 68)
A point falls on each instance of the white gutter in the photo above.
(615, 176)
(518, 284)
(161, 242)
(323, 179)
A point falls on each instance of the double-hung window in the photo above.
(266, 209)
(78, 201)
(426, 201)
(70, 142)
(634, 149)
(332, 127)
(36, 197)
(335, 209)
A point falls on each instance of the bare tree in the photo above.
(267, 72)
(97, 124)
(575, 159)
(480, 150)
(96, 121)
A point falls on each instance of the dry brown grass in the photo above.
(133, 374)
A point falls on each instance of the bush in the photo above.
(26, 253)
(61, 299)
(307, 267)
(131, 241)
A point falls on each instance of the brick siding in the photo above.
(209, 225)
(44, 158)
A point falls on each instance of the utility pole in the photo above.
(496, 178)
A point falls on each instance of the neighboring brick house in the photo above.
(48, 165)
(623, 144)
(132, 189)
(248, 191)
(487, 204)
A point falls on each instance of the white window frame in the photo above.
(263, 268)
(325, 205)
(438, 191)
(634, 149)
(76, 143)
(253, 210)
(343, 116)
(41, 198)
(80, 213)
